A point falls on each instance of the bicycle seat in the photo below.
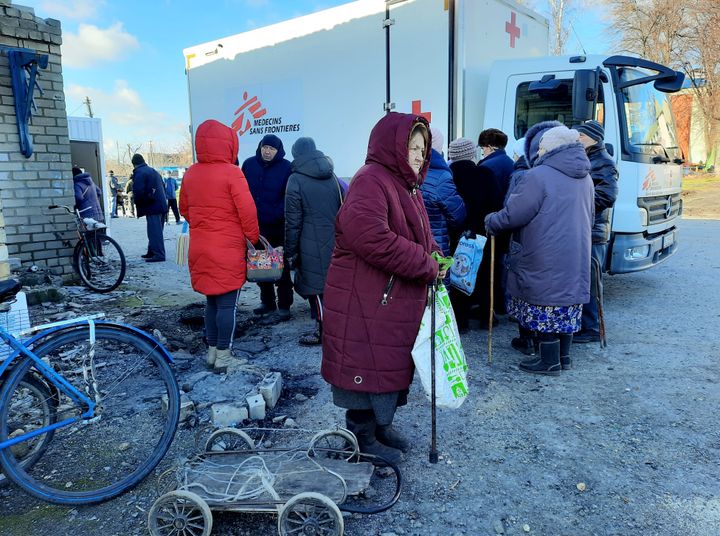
(8, 289)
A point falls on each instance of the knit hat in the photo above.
(592, 129)
(437, 139)
(462, 149)
(272, 140)
(557, 137)
(76, 171)
(137, 159)
(533, 136)
(303, 146)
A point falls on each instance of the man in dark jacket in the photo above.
(605, 176)
(267, 175)
(114, 191)
(149, 195)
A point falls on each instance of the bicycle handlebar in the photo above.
(68, 209)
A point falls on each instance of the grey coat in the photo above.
(312, 201)
(552, 210)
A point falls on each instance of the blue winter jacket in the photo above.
(171, 188)
(444, 205)
(267, 182)
(148, 191)
(87, 197)
(501, 166)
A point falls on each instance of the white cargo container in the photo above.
(86, 149)
(466, 65)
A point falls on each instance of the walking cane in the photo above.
(492, 296)
(599, 296)
(433, 456)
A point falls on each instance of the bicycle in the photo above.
(97, 258)
(78, 402)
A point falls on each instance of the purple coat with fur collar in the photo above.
(552, 213)
(376, 288)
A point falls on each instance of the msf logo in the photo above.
(251, 107)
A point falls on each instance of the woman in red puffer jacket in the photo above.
(216, 202)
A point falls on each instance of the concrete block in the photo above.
(187, 407)
(224, 415)
(271, 388)
(256, 406)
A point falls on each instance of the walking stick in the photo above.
(492, 296)
(433, 456)
(599, 297)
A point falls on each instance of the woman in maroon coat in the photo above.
(376, 287)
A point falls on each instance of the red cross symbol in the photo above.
(512, 29)
(416, 107)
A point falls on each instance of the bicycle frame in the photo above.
(22, 348)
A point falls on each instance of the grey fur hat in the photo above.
(557, 137)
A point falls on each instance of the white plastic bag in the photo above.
(466, 262)
(451, 386)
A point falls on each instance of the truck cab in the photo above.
(629, 97)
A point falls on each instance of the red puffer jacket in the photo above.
(216, 202)
(376, 288)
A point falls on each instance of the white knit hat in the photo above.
(558, 136)
(438, 141)
(462, 149)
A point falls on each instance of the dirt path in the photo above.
(626, 443)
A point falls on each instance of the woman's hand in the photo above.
(441, 274)
(488, 230)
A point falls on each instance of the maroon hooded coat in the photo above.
(376, 288)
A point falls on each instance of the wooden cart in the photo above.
(308, 486)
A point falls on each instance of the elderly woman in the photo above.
(551, 211)
(376, 287)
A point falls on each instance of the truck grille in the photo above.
(660, 208)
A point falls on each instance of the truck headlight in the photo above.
(643, 217)
(637, 252)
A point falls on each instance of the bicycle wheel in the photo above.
(101, 265)
(96, 459)
(31, 407)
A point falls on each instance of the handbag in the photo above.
(182, 245)
(264, 265)
(451, 385)
(466, 262)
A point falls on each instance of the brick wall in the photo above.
(35, 235)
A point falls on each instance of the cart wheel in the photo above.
(166, 481)
(180, 513)
(228, 439)
(337, 444)
(310, 514)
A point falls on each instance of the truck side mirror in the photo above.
(584, 94)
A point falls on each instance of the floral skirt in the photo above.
(546, 318)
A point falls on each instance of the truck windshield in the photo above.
(648, 117)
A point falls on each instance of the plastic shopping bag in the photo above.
(467, 258)
(451, 385)
(182, 245)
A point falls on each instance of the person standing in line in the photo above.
(267, 174)
(377, 284)
(171, 193)
(604, 174)
(149, 194)
(216, 202)
(495, 170)
(114, 192)
(466, 176)
(551, 212)
(87, 195)
(444, 205)
(130, 197)
(312, 201)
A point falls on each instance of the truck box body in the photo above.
(323, 75)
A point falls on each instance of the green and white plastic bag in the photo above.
(451, 385)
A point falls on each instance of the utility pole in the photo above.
(152, 159)
(87, 103)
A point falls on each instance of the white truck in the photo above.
(464, 64)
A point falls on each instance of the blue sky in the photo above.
(126, 55)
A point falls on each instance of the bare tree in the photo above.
(559, 20)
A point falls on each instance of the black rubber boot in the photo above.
(565, 344)
(526, 342)
(549, 361)
(390, 437)
(363, 425)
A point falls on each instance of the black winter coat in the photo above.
(605, 179)
(267, 182)
(312, 200)
(148, 191)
